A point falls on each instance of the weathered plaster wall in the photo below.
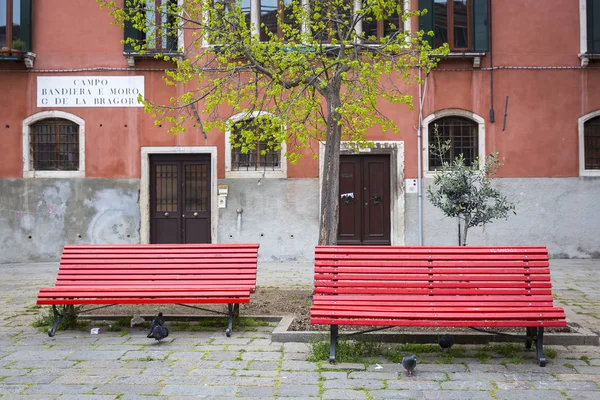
(560, 213)
(39, 216)
(280, 214)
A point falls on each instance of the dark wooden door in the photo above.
(180, 198)
(364, 200)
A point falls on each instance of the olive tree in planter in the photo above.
(465, 191)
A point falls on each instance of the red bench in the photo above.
(153, 274)
(435, 287)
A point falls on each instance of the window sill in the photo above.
(278, 174)
(476, 56)
(134, 55)
(587, 57)
(53, 174)
(19, 56)
(590, 173)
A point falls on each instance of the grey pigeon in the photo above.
(446, 341)
(409, 363)
(159, 332)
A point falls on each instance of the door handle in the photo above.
(195, 214)
(166, 214)
(375, 198)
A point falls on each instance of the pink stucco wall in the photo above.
(540, 139)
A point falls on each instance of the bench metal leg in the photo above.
(333, 343)
(57, 315)
(539, 347)
(531, 334)
(230, 324)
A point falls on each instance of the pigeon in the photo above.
(409, 363)
(157, 330)
(446, 341)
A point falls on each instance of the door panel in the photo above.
(180, 198)
(364, 219)
(376, 213)
(350, 201)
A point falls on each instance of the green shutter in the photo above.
(26, 33)
(426, 21)
(593, 26)
(481, 26)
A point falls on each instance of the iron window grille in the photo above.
(161, 34)
(54, 145)
(591, 142)
(264, 156)
(461, 133)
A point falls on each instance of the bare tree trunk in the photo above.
(465, 230)
(328, 228)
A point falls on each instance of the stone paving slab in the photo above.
(251, 365)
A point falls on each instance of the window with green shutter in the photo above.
(15, 27)
(153, 26)
(463, 24)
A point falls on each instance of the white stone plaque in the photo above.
(89, 91)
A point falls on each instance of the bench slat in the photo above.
(467, 292)
(164, 300)
(430, 323)
(432, 284)
(438, 315)
(426, 307)
(427, 277)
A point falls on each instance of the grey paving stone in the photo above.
(141, 390)
(263, 365)
(413, 385)
(184, 380)
(334, 375)
(222, 355)
(258, 392)
(487, 368)
(211, 372)
(296, 390)
(136, 380)
(240, 380)
(233, 364)
(587, 369)
(97, 355)
(299, 377)
(344, 366)
(37, 356)
(29, 379)
(528, 377)
(514, 385)
(265, 373)
(442, 367)
(477, 376)
(354, 384)
(4, 371)
(583, 395)
(424, 376)
(289, 365)
(60, 389)
(458, 395)
(344, 394)
(528, 395)
(186, 355)
(129, 396)
(293, 347)
(372, 375)
(145, 355)
(396, 394)
(200, 390)
(87, 397)
(467, 385)
(11, 389)
(261, 355)
(563, 385)
(10, 396)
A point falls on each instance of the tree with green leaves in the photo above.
(465, 191)
(314, 70)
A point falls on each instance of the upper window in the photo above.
(458, 132)
(160, 33)
(251, 151)
(463, 24)
(15, 27)
(53, 145)
(265, 17)
(589, 144)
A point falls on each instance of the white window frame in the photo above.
(255, 19)
(280, 172)
(452, 112)
(28, 170)
(581, 128)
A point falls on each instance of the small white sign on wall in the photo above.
(89, 91)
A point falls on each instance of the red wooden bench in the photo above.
(435, 287)
(153, 274)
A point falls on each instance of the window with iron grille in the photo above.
(462, 135)
(161, 32)
(248, 154)
(54, 145)
(591, 144)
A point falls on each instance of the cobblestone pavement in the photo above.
(114, 365)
